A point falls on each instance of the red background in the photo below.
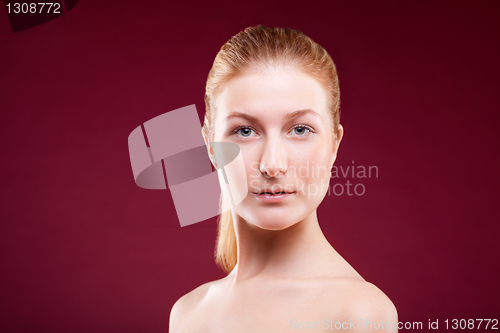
(83, 249)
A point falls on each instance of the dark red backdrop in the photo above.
(83, 249)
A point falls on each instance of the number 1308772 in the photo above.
(33, 8)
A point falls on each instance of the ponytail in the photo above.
(226, 254)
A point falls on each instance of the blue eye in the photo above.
(244, 131)
(301, 130)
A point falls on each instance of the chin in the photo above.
(273, 225)
(272, 218)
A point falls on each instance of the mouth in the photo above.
(274, 193)
(273, 196)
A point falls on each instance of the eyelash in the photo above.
(308, 128)
(237, 129)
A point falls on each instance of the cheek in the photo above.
(315, 158)
(231, 171)
(251, 161)
(313, 172)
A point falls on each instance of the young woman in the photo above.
(274, 92)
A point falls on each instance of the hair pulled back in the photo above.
(263, 49)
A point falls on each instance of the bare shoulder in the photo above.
(366, 304)
(368, 298)
(185, 305)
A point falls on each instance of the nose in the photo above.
(274, 159)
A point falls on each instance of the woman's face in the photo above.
(283, 126)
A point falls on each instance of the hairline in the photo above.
(254, 69)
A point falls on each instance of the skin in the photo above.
(288, 275)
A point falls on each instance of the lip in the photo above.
(273, 197)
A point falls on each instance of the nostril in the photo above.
(272, 174)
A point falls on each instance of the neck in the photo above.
(293, 252)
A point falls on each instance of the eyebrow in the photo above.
(291, 115)
(236, 114)
(299, 113)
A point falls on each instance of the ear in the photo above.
(336, 144)
(209, 148)
(340, 135)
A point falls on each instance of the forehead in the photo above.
(271, 95)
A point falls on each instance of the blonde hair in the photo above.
(262, 49)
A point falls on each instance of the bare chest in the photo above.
(265, 308)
